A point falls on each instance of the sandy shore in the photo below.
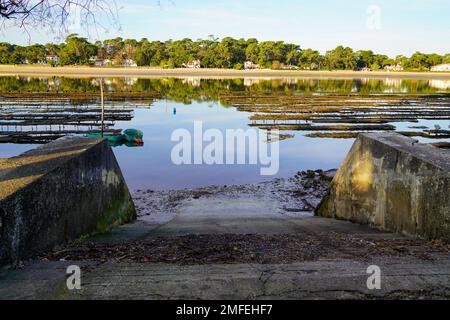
(8, 70)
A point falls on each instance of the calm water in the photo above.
(177, 104)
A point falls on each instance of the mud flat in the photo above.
(296, 196)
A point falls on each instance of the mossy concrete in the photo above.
(57, 193)
(394, 183)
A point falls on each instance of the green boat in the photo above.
(131, 137)
(134, 135)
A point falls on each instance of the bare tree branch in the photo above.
(55, 15)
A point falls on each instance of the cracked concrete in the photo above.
(324, 279)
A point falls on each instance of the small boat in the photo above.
(134, 135)
(130, 137)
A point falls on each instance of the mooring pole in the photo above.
(103, 107)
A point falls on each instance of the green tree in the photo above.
(341, 58)
(180, 52)
(76, 51)
(366, 58)
(142, 54)
(114, 49)
(310, 59)
(446, 58)
(291, 54)
(34, 54)
(418, 61)
(380, 61)
(5, 53)
(230, 52)
(252, 50)
(434, 59)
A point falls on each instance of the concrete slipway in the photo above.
(258, 241)
(422, 272)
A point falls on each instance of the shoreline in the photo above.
(160, 206)
(141, 72)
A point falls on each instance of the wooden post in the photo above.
(103, 107)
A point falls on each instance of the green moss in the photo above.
(322, 209)
(120, 212)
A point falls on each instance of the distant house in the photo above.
(96, 61)
(107, 62)
(288, 67)
(365, 69)
(397, 67)
(312, 66)
(441, 68)
(52, 59)
(129, 63)
(194, 64)
(100, 62)
(249, 65)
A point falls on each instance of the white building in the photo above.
(312, 66)
(52, 59)
(249, 65)
(96, 61)
(441, 68)
(397, 67)
(100, 62)
(289, 67)
(129, 63)
(194, 64)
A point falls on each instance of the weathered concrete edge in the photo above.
(35, 168)
(423, 151)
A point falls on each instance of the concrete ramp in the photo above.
(394, 183)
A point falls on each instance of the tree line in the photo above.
(212, 53)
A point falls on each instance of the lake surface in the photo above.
(318, 118)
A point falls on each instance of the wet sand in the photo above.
(9, 70)
(297, 196)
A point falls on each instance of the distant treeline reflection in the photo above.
(209, 90)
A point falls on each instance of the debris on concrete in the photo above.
(252, 248)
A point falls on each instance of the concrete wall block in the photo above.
(392, 182)
(57, 193)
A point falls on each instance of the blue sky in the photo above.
(385, 26)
